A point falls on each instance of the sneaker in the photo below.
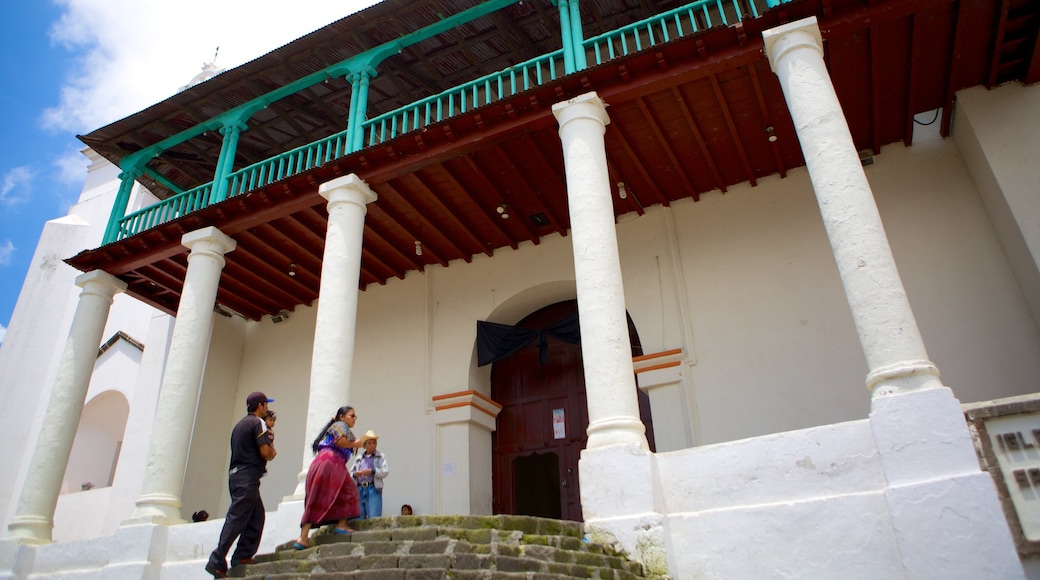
(216, 572)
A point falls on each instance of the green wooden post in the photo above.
(353, 126)
(359, 109)
(126, 185)
(226, 161)
(565, 35)
(577, 37)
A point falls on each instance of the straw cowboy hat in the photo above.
(370, 434)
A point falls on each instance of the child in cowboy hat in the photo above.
(369, 471)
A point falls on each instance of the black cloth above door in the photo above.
(497, 341)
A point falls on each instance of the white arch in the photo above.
(99, 439)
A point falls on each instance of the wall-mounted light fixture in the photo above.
(502, 211)
(621, 191)
(292, 269)
(771, 134)
(418, 248)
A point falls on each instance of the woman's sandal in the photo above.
(342, 532)
(299, 546)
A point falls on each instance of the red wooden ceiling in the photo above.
(686, 117)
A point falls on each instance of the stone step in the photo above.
(433, 547)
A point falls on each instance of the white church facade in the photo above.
(773, 376)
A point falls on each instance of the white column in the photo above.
(896, 356)
(945, 515)
(333, 360)
(160, 499)
(605, 347)
(34, 519)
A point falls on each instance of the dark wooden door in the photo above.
(542, 426)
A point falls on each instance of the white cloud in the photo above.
(71, 167)
(15, 185)
(136, 53)
(6, 251)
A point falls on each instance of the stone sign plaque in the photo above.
(1007, 438)
(1015, 441)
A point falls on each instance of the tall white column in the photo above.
(896, 356)
(160, 499)
(605, 346)
(34, 519)
(945, 515)
(618, 501)
(334, 330)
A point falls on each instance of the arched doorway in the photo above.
(542, 426)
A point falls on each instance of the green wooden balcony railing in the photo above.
(676, 23)
(684, 21)
(456, 101)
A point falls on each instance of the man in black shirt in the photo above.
(252, 446)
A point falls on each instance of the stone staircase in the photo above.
(458, 547)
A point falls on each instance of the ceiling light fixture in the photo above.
(418, 248)
(292, 269)
(621, 191)
(771, 135)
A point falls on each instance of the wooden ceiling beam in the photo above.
(734, 133)
(373, 233)
(702, 144)
(655, 128)
(998, 42)
(169, 283)
(399, 200)
(489, 215)
(261, 296)
(458, 227)
(486, 185)
(301, 282)
(282, 249)
(254, 289)
(911, 79)
(616, 135)
(763, 109)
(953, 70)
(371, 261)
(374, 212)
(1033, 67)
(630, 194)
(531, 192)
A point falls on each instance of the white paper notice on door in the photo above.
(559, 424)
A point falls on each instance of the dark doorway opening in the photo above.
(536, 481)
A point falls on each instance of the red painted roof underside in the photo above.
(686, 117)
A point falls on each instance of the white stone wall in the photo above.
(996, 132)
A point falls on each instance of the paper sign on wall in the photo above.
(559, 424)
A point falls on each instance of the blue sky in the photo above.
(68, 67)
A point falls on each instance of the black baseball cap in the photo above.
(255, 398)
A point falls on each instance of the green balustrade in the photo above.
(461, 99)
(667, 26)
(677, 23)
